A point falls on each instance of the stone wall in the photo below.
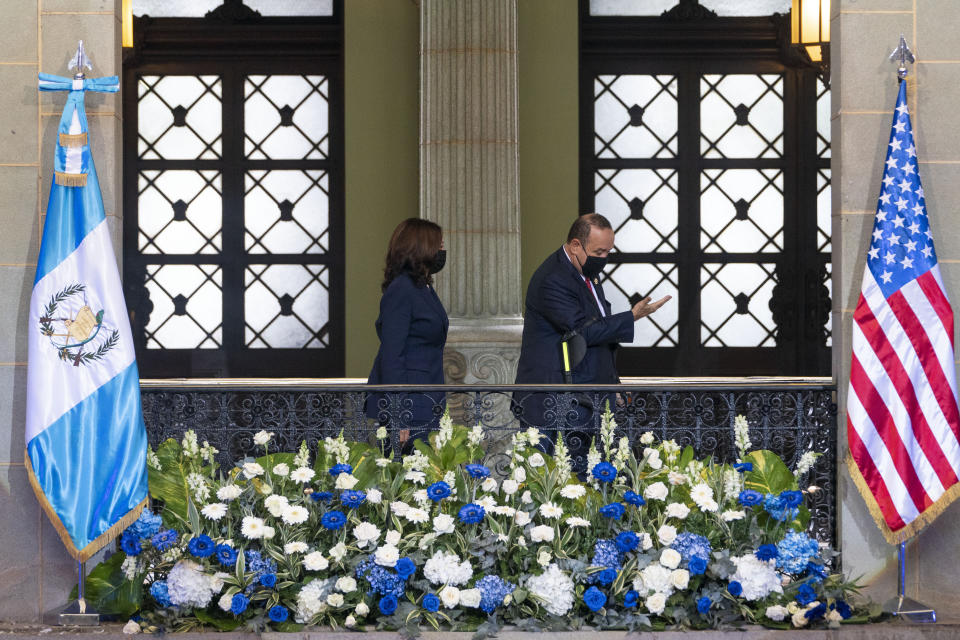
(864, 33)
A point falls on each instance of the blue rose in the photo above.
(735, 588)
(631, 599)
(431, 602)
(238, 604)
(388, 604)
(278, 613)
(130, 544)
(594, 599)
(163, 540)
(268, 580)
(697, 565)
(226, 555)
(405, 568)
(766, 552)
(743, 467)
(321, 496)
(805, 594)
(633, 498)
(816, 612)
(471, 513)
(352, 499)
(604, 472)
(333, 520)
(750, 498)
(627, 541)
(438, 491)
(478, 471)
(613, 510)
(337, 469)
(703, 605)
(605, 577)
(201, 546)
(843, 609)
(792, 499)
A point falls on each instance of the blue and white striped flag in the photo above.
(86, 443)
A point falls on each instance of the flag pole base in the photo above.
(76, 614)
(910, 610)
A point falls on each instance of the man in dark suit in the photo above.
(564, 295)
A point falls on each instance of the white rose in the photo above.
(526, 498)
(656, 603)
(261, 438)
(544, 557)
(731, 515)
(282, 470)
(656, 491)
(252, 470)
(834, 616)
(225, 602)
(346, 584)
(276, 504)
(393, 537)
(677, 510)
(314, 561)
(229, 492)
(374, 496)
(536, 461)
(214, 511)
(362, 609)
(350, 621)
(509, 486)
(679, 578)
(573, 491)
(417, 516)
(132, 627)
(386, 555)
(302, 474)
(345, 481)
(666, 534)
(470, 597)
(449, 596)
(519, 474)
(489, 485)
(576, 521)
(541, 533)
(645, 541)
(399, 508)
(268, 533)
(776, 612)
(295, 514)
(335, 599)
(294, 547)
(365, 533)
(670, 558)
(338, 551)
(443, 523)
(646, 438)
(522, 518)
(799, 619)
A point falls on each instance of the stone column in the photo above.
(468, 179)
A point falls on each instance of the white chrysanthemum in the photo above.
(573, 491)
(386, 555)
(656, 491)
(504, 510)
(314, 561)
(731, 515)
(281, 469)
(710, 506)
(776, 612)
(338, 551)
(295, 514)
(229, 492)
(393, 537)
(542, 533)
(677, 510)
(701, 493)
(550, 510)
(276, 504)
(312, 599)
(446, 568)
(261, 437)
(554, 589)
(295, 547)
(757, 577)
(417, 516)
(366, 533)
(345, 482)
(416, 477)
(251, 527)
(302, 474)
(374, 496)
(399, 508)
(666, 534)
(509, 486)
(214, 511)
(443, 523)
(346, 584)
(656, 603)
(449, 596)
(383, 462)
(656, 578)
(252, 470)
(670, 558)
(577, 521)
(188, 586)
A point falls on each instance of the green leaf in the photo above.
(194, 517)
(223, 624)
(769, 475)
(108, 589)
(170, 485)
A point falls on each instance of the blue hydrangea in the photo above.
(337, 469)
(477, 471)
(438, 491)
(130, 544)
(471, 513)
(690, 546)
(159, 592)
(795, 552)
(606, 554)
(163, 540)
(352, 499)
(778, 509)
(238, 604)
(278, 613)
(201, 546)
(257, 566)
(604, 472)
(613, 510)
(382, 581)
(493, 590)
(627, 541)
(226, 555)
(146, 525)
(333, 520)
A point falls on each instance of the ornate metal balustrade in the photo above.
(787, 417)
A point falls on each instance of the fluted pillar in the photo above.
(468, 179)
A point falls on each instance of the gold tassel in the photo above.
(918, 523)
(80, 555)
(70, 179)
(73, 139)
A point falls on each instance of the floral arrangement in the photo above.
(348, 537)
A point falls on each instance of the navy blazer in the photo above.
(412, 328)
(558, 300)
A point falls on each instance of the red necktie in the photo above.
(589, 286)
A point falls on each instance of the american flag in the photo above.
(903, 420)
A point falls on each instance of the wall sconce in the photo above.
(126, 23)
(810, 29)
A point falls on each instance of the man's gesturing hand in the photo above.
(645, 307)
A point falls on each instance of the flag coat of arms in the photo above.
(85, 439)
(903, 420)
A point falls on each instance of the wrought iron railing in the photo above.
(789, 418)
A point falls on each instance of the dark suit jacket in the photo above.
(558, 300)
(412, 328)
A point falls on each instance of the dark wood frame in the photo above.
(232, 42)
(689, 41)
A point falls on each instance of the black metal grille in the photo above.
(788, 420)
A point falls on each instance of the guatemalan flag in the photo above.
(86, 442)
(903, 421)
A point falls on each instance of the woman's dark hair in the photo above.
(413, 246)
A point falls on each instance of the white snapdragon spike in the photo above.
(533, 436)
(208, 452)
(295, 547)
(261, 438)
(445, 431)
(337, 448)
(302, 459)
(806, 461)
(214, 511)
(153, 461)
(593, 459)
(741, 435)
(607, 426)
(732, 483)
(281, 469)
(476, 436)
(314, 561)
(622, 455)
(191, 448)
(671, 448)
(561, 456)
(302, 475)
(573, 491)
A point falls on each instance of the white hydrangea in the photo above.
(214, 511)
(757, 577)
(573, 491)
(188, 586)
(446, 568)
(312, 599)
(656, 578)
(554, 589)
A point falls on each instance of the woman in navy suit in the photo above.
(412, 328)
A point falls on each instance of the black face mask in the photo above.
(592, 266)
(438, 261)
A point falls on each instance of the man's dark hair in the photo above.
(580, 229)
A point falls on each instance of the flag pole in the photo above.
(900, 605)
